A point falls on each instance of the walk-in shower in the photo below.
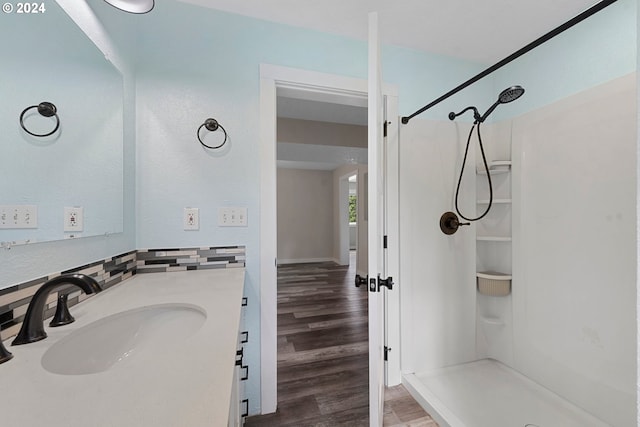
(558, 347)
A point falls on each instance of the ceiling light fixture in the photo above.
(132, 6)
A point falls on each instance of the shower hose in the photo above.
(476, 125)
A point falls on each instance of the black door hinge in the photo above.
(245, 403)
(387, 350)
(384, 242)
(384, 129)
(240, 362)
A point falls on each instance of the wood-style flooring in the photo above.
(323, 371)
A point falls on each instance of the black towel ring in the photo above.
(211, 125)
(46, 109)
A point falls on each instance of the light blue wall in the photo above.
(422, 78)
(597, 50)
(22, 263)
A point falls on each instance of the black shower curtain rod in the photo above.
(551, 34)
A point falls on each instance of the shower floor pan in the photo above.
(487, 393)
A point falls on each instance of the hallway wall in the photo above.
(305, 216)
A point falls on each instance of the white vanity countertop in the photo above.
(189, 385)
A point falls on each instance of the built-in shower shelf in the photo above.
(495, 167)
(493, 238)
(495, 321)
(495, 201)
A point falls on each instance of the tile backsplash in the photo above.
(111, 271)
(163, 260)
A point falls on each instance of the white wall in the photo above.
(437, 271)
(305, 216)
(570, 322)
(574, 288)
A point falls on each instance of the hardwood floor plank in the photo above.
(323, 367)
(344, 400)
(351, 320)
(324, 385)
(330, 353)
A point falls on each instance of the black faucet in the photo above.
(32, 329)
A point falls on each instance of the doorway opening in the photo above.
(322, 318)
(280, 82)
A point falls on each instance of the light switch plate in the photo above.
(232, 217)
(18, 216)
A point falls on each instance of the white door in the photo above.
(376, 227)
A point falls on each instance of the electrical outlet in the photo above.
(232, 217)
(73, 219)
(191, 219)
(18, 216)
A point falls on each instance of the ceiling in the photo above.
(480, 31)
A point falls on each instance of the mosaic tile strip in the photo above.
(15, 299)
(185, 259)
(111, 271)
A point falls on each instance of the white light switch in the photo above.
(191, 219)
(232, 217)
(18, 216)
(73, 219)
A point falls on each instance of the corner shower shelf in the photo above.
(496, 166)
(493, 238)
(493, 283)
(492, 321)
(495, 201)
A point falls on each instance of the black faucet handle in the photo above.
(62, 316)
(5, 355)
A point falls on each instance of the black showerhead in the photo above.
(510, 94)
(507, 95)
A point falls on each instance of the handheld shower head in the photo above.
(510, 94)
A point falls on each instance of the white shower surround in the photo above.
(570, 322)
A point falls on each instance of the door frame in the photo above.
(344, 231)
(320, 87)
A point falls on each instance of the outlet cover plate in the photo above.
(191, 219)
(73, 219)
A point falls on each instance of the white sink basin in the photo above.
(123, 337)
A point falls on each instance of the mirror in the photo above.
(46, 57)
